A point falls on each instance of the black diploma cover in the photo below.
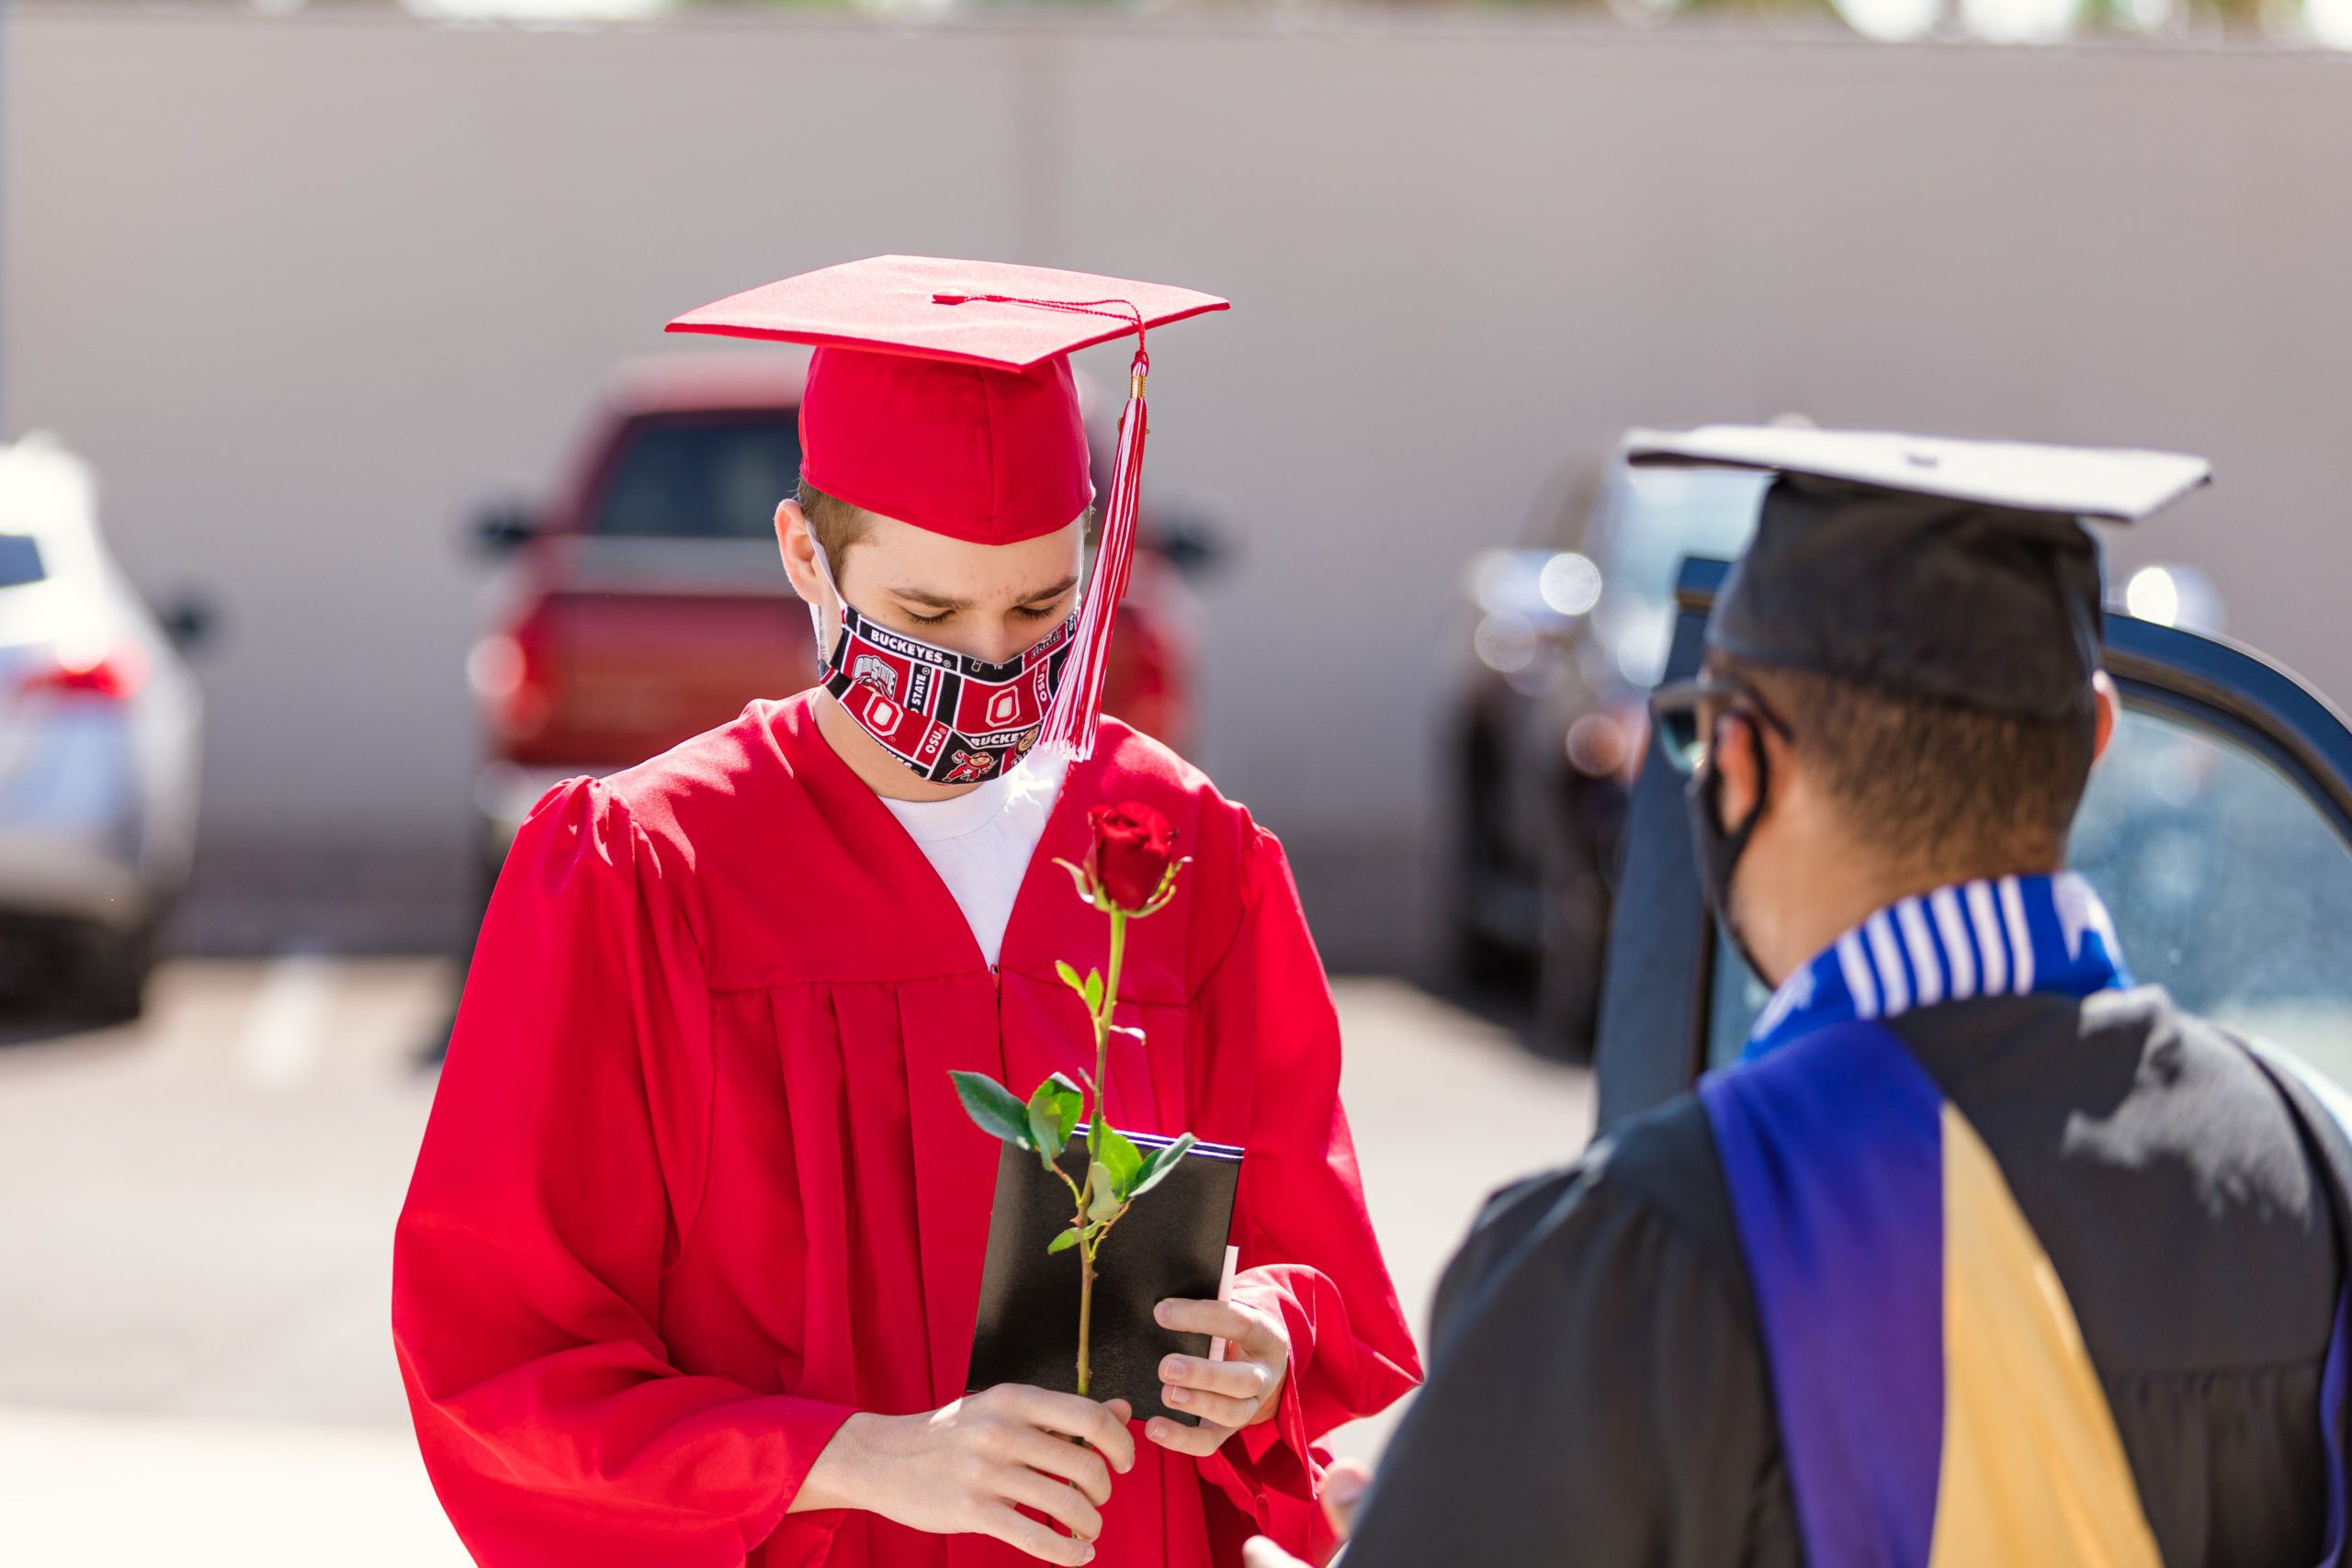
(1170, 1242)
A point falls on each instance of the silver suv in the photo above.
(99, 745)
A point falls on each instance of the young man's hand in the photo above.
(968, 1466)
(1343, 1487)
(1228, 1395)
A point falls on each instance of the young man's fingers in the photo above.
(1222, 1319)
(1024, 1534)
(1066, 1505)
(1235, 1380)
(1076, 1417)
(1344, 1485)
(1259, 1552)
(1060, 1461)
(1199, 1441)
(1221, 1409)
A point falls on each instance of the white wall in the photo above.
(305, 287)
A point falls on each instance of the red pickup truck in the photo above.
(644, 601)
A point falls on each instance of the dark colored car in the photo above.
(644, 603)
(1568, 640)
(2218, 830)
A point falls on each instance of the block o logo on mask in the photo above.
(907, 695)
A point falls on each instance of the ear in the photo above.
(1734, 751)
(800, 549)
(2111, 711)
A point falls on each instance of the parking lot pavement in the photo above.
(198, 1224)
(79, 1490)
(1445, 1107)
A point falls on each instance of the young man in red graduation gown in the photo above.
(688, 1271)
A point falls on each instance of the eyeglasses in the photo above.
(1679, 713)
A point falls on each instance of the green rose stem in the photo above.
(1088, 1247)
(1117, 1173)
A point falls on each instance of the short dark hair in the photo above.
(836, 524)
(1939, 787)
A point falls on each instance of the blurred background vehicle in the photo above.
(1549, 732)
(98, 747)
(643, 601)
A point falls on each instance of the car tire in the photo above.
(1480, 959)
(1479, 874)
(1568, 973)
(1575, 904)
(110, 982)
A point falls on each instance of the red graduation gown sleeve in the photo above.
(1268, 1041)
(533, 1246)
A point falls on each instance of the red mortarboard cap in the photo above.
(989, 455)
(899, 305)
(941, 394)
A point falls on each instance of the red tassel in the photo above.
(1071, 722)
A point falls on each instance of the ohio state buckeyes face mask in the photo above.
(950, 717)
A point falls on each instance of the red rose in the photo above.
(1133, 847)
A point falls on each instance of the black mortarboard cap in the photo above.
(1954, 570)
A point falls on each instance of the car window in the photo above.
(2227, 885)
(20, 560)
(1648, 521)
(705, 477)
(1656, 518)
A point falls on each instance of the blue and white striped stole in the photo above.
(2009, 937)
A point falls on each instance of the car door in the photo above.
(2218, 827)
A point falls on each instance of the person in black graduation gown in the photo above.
(1899, 710)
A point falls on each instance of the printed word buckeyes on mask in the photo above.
(951, 717)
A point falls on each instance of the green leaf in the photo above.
(1093, 992)
(1105, 1203)
(1165, 893)
(1069, 975)
(1043, 1113)
(1077, 876)
(1162, 1161)
(1053, 1113)
(1064, 1242)
(993, 1107)
(1073, 1101)
(1122, 1159)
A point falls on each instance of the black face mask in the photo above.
(1718, 850)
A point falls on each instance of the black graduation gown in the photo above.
(1598, 1393)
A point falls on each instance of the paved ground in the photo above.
(195, 1241)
